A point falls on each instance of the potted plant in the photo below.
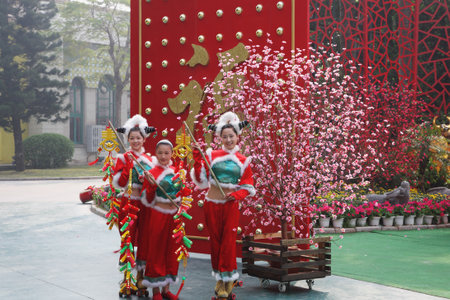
(350, 216)
(409, 213)
(338, 210)
(361, 215)
(387, 214)
(398, 215)
(374, 214)
(324, 213)
(428, 211)
(419, 213)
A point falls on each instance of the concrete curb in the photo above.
(50, 178)
(98, 211)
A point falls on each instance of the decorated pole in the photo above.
(206, 161)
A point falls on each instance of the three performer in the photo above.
(226, 174)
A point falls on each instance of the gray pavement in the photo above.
(53, 247)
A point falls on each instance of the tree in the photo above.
(307, 122)
(105, 25)
(29, 85)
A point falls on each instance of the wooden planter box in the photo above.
(284, 259)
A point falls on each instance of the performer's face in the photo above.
(229, 138)
(163, 154)
(136, 141)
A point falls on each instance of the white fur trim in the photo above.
(228, 157)
(156, 163)
(164, 173)
(166, 281)
(136, 120)
(159, 199)
(144, 199)
(136, 185)
(224, 185)
(164, 210)
(228, 118)
(115, 180)
(203, 184)
(121, 157)
(140, 265)
(251, 189)
(143, 159)
(226, 278)
(232, 151)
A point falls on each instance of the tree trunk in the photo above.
(18, 145)
(284, 233)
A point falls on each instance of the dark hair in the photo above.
(135, 129)
(228, 126)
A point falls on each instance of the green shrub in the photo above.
(47, 151)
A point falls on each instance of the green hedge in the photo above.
(47, 151)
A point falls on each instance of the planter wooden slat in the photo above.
(258, 256)
(304, 275)
(291, 242)
(302, 264)
(265, 269)
(290, 253)
(262, 245)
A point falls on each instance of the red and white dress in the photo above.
(233, 172)
(120, 180)
(161, 260)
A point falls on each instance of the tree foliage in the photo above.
(100, 30)
(30, 84)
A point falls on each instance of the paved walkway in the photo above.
(54, 247)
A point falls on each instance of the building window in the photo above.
(105, 101)
(77, 111)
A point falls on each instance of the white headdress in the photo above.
(136, 121)
(228, 118)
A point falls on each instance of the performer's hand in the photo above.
(230, 197)
(152, 180)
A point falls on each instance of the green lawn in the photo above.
(417, 260)
(78, 171)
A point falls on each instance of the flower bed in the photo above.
(436, 206)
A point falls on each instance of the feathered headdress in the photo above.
(228, 118)
(136, 121)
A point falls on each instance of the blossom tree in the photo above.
(307, 122)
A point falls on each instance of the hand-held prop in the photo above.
(206, 161)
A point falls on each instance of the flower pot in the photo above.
(428, 219)
(398, 220)
(352, 222)
(324, 222)
(444, 219)
(86, 195)
(361, 221)
(374, 221)
(419, 220)
(388, 221)
(409, 220)
(337, 223)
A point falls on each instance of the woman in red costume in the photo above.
(235, 177)
(161, 260)
(136, 131)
